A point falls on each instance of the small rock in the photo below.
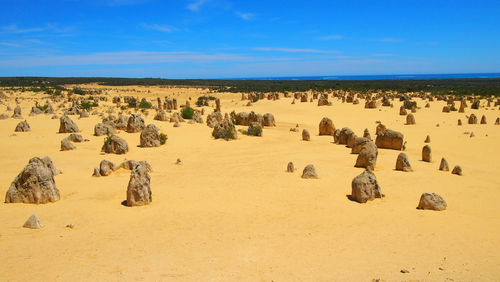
(96, 172)
(309, 172)
(290, 167)
(305, 135)
(444, 165)
(402, 163)
(426, 153)
(457, 170)
(431, 201)
(66, 145)
(33, 222)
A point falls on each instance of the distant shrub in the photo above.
(203, 100)
(42, 108)
(163, 138)
(145, 105)
(88, 106)
(78, 91)
(132, 103)
(187, 113)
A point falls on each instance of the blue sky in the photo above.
(225, 38)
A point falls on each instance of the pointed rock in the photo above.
(33, 222)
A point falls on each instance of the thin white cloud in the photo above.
(126, 58)
(13, 28)
(196, 5)
(331, 37)
(389, 40)
(245, 16)
(158, 27)
(294, 50)
(124, 2)
(383, 55)
(10, 44)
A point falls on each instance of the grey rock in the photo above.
(365, 187)
(431, 201)
(33, 222)
(139, 190)
(35, 184)
(309, 172)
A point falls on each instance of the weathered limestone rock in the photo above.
(23, 126)
(254, 129)
(389, 139)
(305, 135)
(139, 190)
(457, 170)
(309, 172)
(115, 145)
(135, 123)
(33, 222)
(402, 163)
(150, 136)
(101, 129)
(431, 201)
(66, 145)
(35, 184)
(444, 165)
(326, 127)
(365, 187)
(426, 153)
(66, 125)
(367, 156)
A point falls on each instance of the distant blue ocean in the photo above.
(375, 77)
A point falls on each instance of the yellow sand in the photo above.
(231, 212)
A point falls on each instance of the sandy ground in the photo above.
(232, 212)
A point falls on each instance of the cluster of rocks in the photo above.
(132, 124)
(225, 129)
(443, 166)
(66, 143)
(246, 119)
(107, 167)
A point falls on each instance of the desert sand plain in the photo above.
(231, 212)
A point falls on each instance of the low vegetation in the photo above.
(187, 113)
(464, 86)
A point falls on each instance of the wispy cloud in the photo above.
(389, 40)
(196, 5)
(15, 29)
(158, 27)
(383, 55)
(294, 50)
(125, 58)
(124, 2)
(23, 43)
(245, 16)
(331, 37)
(10, 44)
